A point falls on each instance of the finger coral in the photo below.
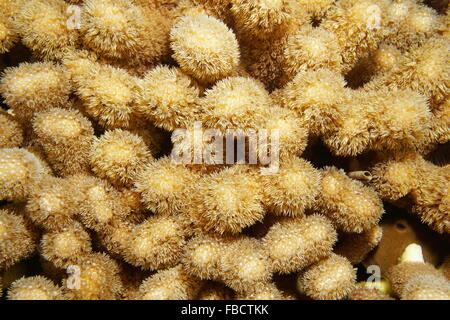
(424, 69)
(356, 246)
(98, 279)
(33, 87)
(202, 256)
(431, 200)
(20, 171)
(227, 201)
(315, 96)
(164, 185)
(43, 27)
(227, 107)
(224, 149)
(311, 49)
(291, 130)
(123, 30)
(427, 288)
(244, 264)
(315, 8)
(316, 283)
(395, 178)
(169, 284)
(8, 35)
(17, 240)
(411, 23)
(293, 245)
(156, 243)
(263, 291)
(100, 204)
(35, 288)
(169, 98)
(118, 156)
(109, 94)
(204, 47)
(413, 279)
(53, 203)
(359, 27)
(261, 18)
(218, 9)
(11, 134)
(66, 246)
(293, 189)
(397, 121)
(57, 129)
(408, 174)
(363, 293)
(350, 205)
(214, 291)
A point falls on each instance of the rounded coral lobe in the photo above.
(204, 47)
(17, 239)
(169, 98)
(351, 206)
(164, 186)
(19, 171)
(228, 201)
(32, 87)
(317, 283)
(119, 156)
(236, 103)
(35, 288)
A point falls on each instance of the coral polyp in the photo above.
(226, 107)
(20, 171)
(293, 190)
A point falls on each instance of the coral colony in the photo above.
(221, 149)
